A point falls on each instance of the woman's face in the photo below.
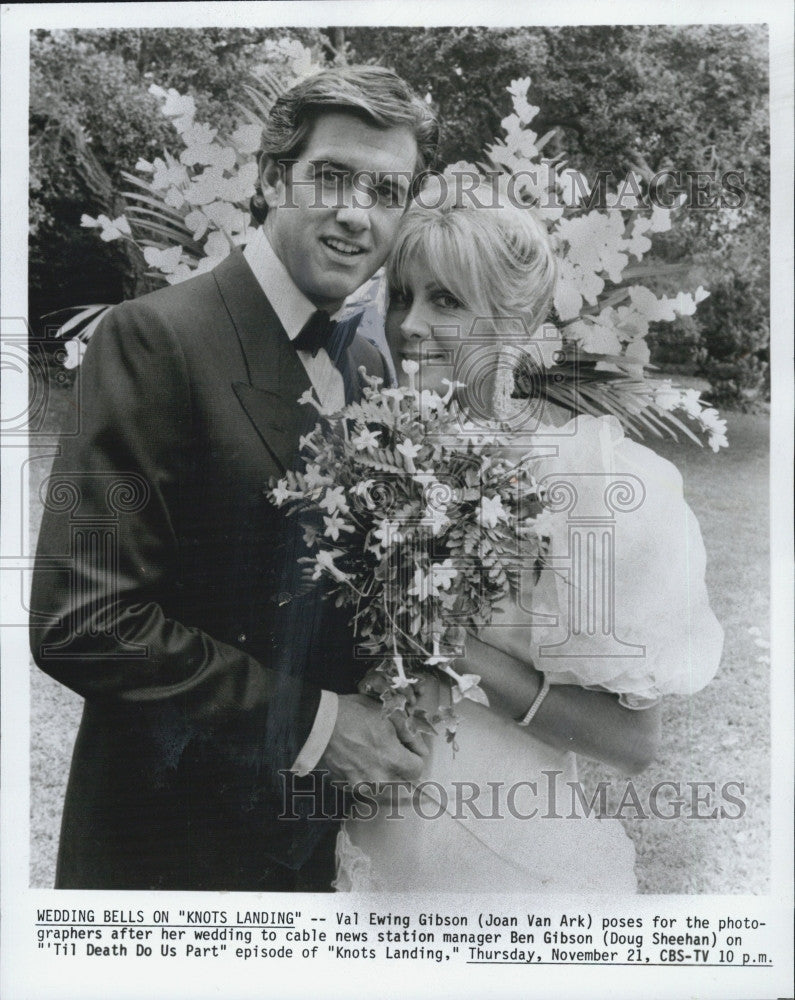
(428, 324)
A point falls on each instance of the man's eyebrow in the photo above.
(396, 180)
(333, 164)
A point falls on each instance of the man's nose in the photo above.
(355, 218)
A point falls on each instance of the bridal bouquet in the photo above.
(420, 522)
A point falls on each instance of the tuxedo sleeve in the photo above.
(363, 352)
(109, 553)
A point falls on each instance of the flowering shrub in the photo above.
(420, 521)
(189, 211)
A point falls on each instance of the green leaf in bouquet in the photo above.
(393, 701)
(448, 718)
(422, 723)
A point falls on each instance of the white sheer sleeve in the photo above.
(622, 605)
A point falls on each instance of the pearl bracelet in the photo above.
(543, 691)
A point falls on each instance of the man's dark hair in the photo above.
(374, 93)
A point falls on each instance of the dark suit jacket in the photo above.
(161, 595)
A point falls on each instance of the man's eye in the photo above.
(330, 176)
(390, 196)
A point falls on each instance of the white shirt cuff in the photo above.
(319, 735)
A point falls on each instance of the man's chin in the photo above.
(331, 296)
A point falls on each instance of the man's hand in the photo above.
(366, 747)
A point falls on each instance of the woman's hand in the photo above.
(592, 723)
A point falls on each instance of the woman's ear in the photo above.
(271, 178)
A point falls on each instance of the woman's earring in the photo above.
(258, 207)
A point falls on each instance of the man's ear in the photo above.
(271, 178)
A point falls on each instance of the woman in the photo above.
(578, 661)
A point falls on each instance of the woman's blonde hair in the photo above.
(490, 252)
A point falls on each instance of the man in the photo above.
(166, 587)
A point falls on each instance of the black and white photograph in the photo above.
(397, 475)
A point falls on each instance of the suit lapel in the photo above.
(276, 376)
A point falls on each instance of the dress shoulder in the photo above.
(622, 604)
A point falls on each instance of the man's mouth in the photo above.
(342, 246)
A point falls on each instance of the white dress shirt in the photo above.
(293, 309)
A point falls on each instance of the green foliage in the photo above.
(684, 97)
(213, 64)
(735, 344)
(688, 97)
(707, 100)
(465, 70)
(194, 211)
(78, 147)
(676, 345)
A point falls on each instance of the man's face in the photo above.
(332, 216)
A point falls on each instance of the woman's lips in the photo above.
(424, 356)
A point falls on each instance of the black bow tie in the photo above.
(315, 333)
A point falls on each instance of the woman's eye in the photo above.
(446, 300)
(398, 299)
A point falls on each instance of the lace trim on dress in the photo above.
(354, 867)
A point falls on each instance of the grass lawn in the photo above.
(720, 735)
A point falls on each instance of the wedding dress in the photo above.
(620, 606)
